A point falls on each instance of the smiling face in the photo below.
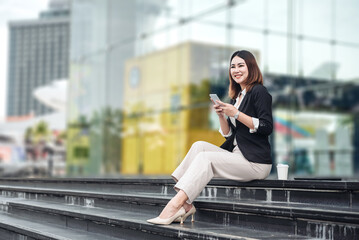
(239, 71)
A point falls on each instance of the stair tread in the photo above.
(354, 211)
(285, 205)
(345, 184)
(139, 218)
(25, 226)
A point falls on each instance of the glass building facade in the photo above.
(141, 72)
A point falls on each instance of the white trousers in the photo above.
(205, 161)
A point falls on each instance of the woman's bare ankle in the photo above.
(187, 206)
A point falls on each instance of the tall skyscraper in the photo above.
(38, 54)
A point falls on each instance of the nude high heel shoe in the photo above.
(192, 211)
(167, 221)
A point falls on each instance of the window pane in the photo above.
(315, 60)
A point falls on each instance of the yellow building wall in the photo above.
(130, 155)
(150, 132)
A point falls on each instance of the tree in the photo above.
(41, 130)
(29, 133)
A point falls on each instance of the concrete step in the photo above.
(132, 224)
(15, 227)
(290, 218)
(329, 193)
(318, 209)
(106, 199)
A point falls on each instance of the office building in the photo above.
(38, 54)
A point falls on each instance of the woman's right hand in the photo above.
(218, 110)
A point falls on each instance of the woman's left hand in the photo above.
(227, 108)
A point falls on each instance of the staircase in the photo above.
(104, 209)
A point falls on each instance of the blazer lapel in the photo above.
(244, 102)
(230, 124)
(229, 120)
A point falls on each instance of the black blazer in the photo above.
(255, 147)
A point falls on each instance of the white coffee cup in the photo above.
(282, 170)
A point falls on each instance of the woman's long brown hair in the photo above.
(254, 74)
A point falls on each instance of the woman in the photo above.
(246, 153)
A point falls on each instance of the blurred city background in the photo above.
(120, 87)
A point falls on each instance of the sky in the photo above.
(13, 10)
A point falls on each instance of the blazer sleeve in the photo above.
(263, 107)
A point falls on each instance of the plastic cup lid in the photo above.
(282, 165)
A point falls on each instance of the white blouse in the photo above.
(236, 105)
